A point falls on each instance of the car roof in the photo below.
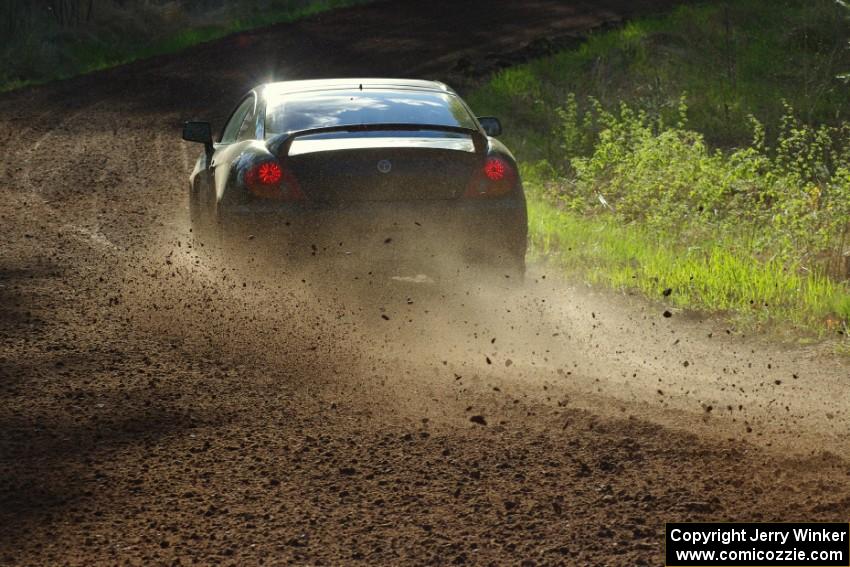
(318, 85)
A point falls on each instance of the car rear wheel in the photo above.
(195, 215)
(201, 217)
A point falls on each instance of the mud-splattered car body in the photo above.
(354, 165)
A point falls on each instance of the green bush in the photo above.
(791, 201)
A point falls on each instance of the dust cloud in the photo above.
(418, 339)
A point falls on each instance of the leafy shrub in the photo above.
(790, 201)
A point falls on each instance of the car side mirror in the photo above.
(200, 132)
(492, 126)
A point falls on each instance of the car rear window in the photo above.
(303, 111)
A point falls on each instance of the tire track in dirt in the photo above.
(24, 162)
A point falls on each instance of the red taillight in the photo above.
(268, 173)
(497, 177)
(268, 180)
(494, 169)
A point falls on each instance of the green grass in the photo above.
(716, 276)
(51, 54)
(704, 151)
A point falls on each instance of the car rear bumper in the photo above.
(474, 229)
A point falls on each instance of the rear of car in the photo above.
(366, 170)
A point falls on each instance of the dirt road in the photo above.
(160, 405)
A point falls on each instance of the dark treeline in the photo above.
(19, 17)
(45, 39)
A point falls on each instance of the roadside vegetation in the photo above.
(704, 153)
(55, 39)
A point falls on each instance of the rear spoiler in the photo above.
(280, 144)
